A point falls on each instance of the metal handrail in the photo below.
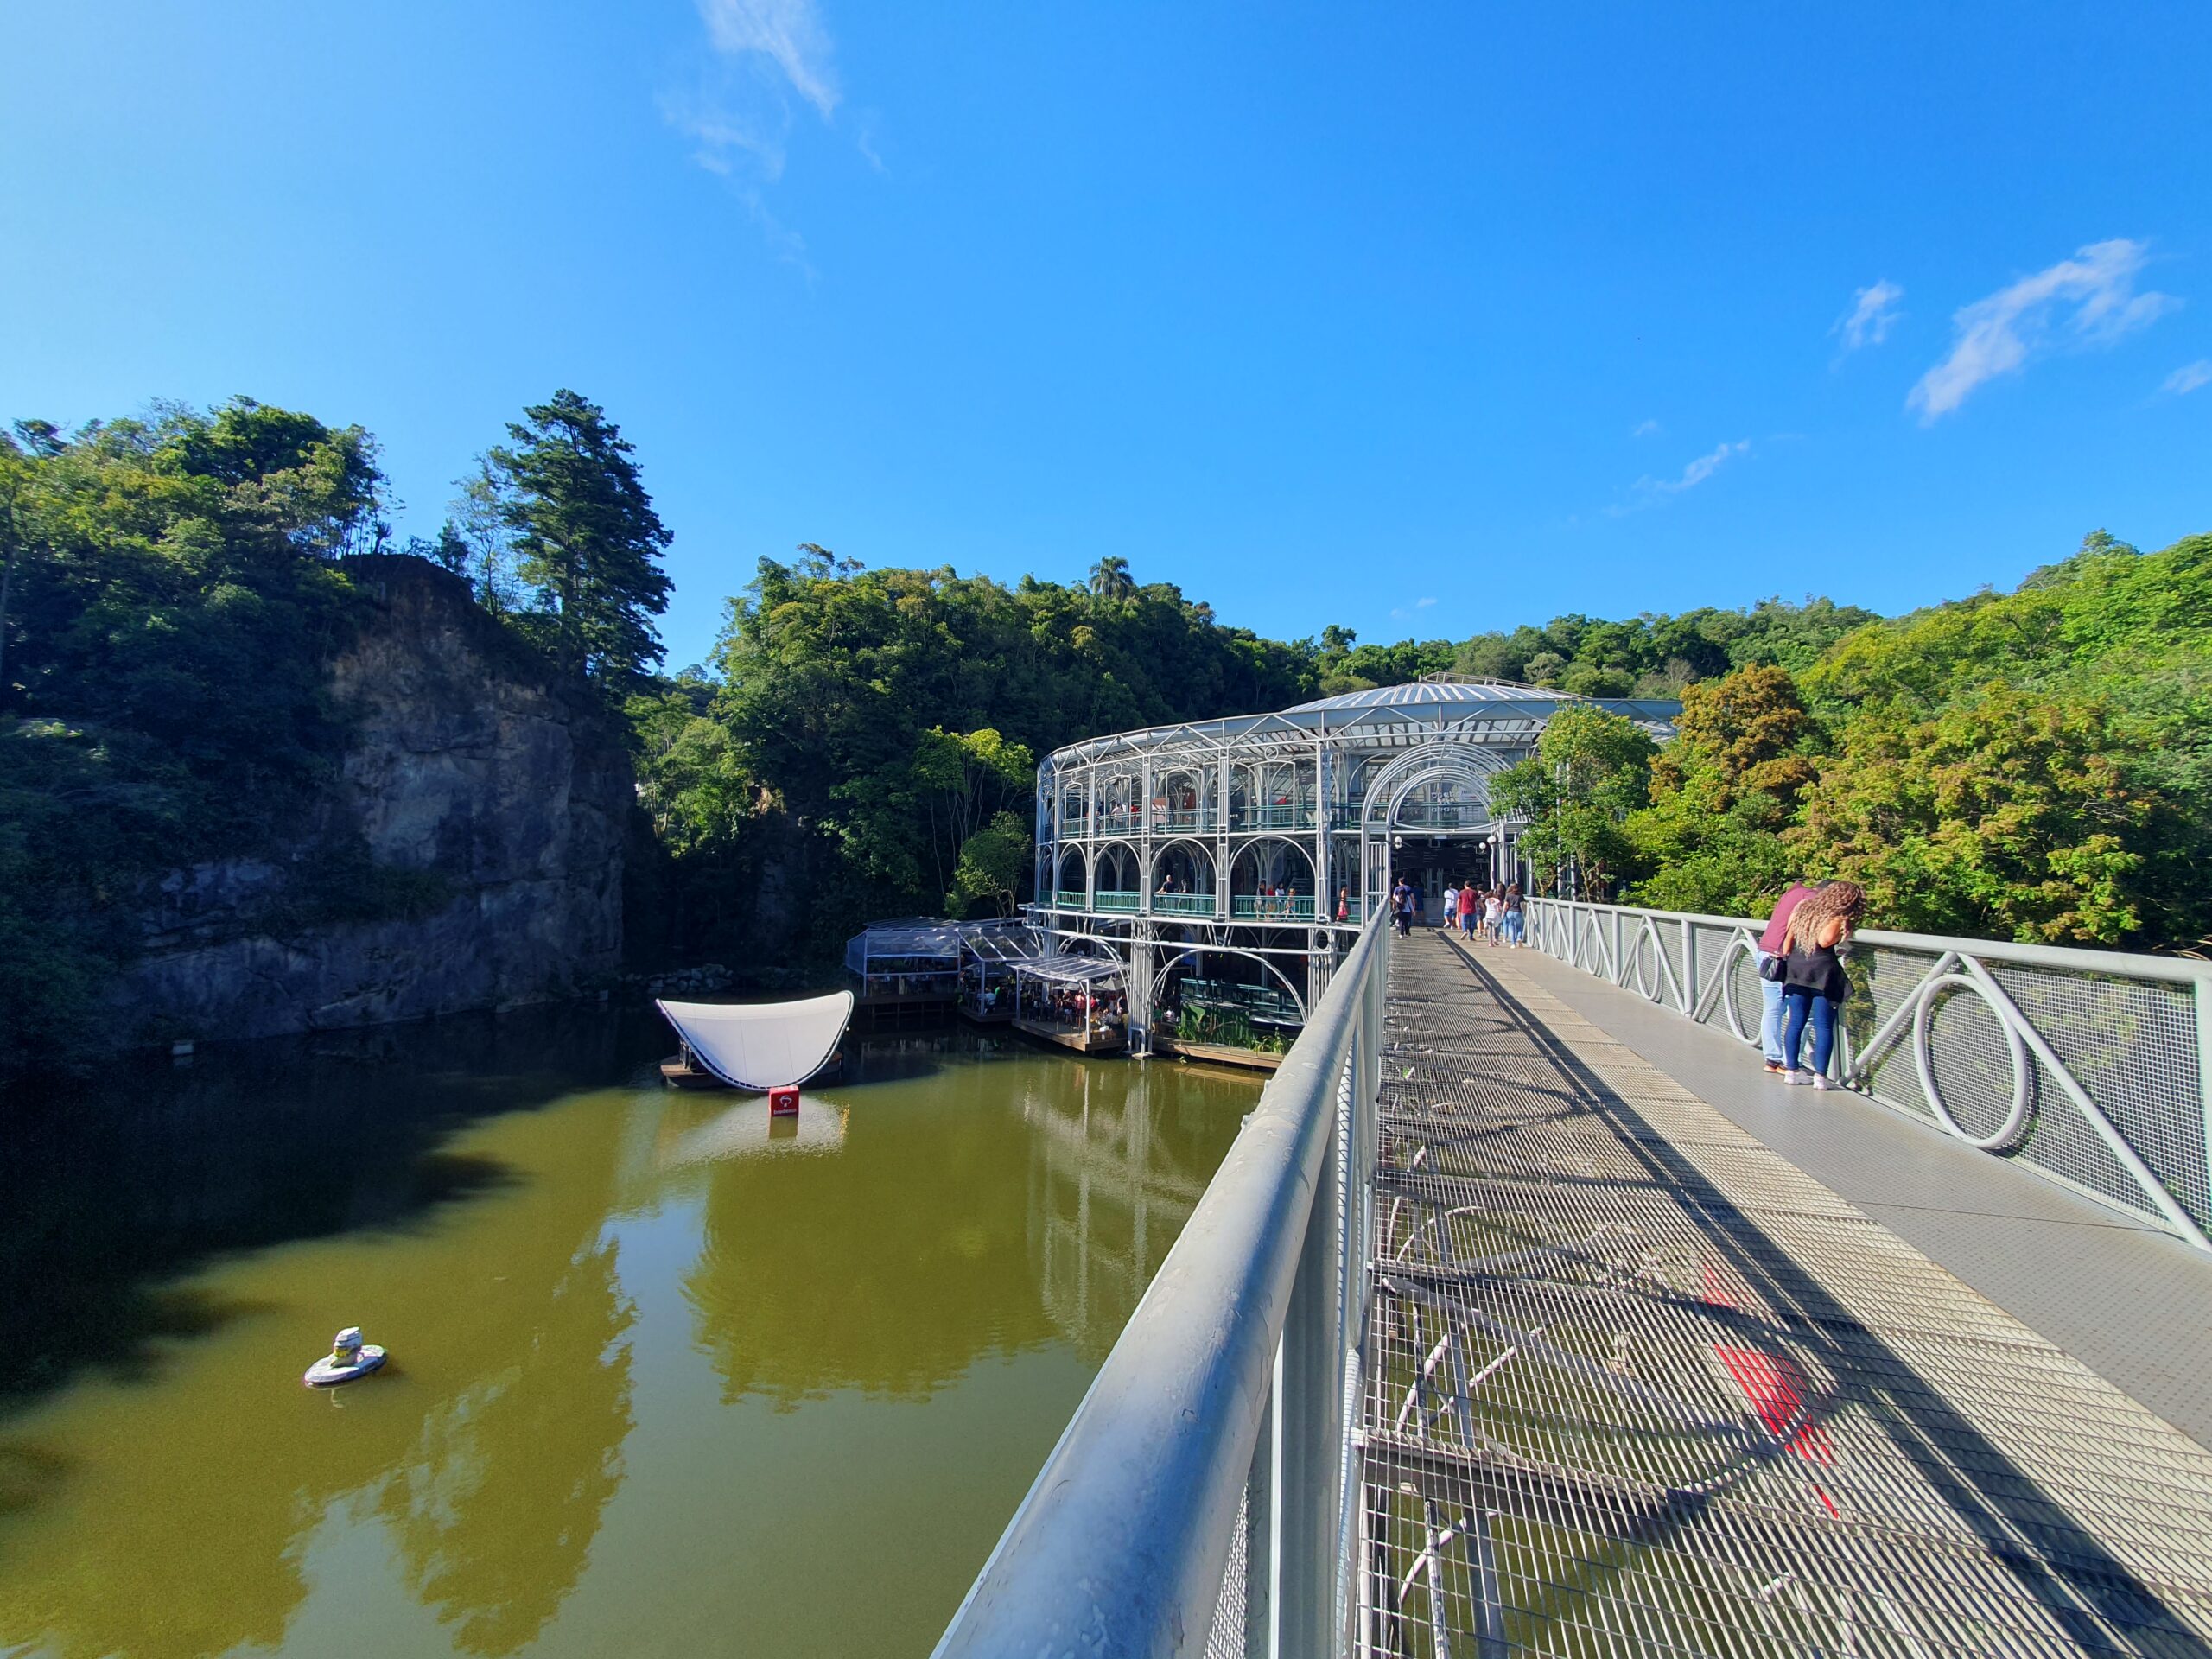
(1121, 1546)
(2053, 1092)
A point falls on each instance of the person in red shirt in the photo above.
(1773, 944)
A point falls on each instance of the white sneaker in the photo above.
(1798, 1078)
(1825, 1086)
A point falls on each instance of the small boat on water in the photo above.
(348, 1360)
(756, 1046)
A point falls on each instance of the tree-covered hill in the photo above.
(2032, 765)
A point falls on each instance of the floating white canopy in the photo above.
(762, 1046)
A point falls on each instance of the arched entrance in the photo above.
(1426, 819)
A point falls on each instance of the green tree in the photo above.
(1721, 794)
(2007, 817)
(587, 539)
(992, 862)
(1591, 770)
(1110, 581)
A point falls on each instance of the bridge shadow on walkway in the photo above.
(1639, 1383)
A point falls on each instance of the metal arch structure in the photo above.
(1472, 765)
(1331, 778)
(1170, 955)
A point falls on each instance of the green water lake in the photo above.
(667, 1378)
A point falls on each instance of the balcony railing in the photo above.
(1128, 901)
(1069, 898)
(1279, 816)
(1181, 820)
(1297, 908)
(1182, 904)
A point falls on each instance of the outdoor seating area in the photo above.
(990, 952)
(1076, 1001)
(904, 971)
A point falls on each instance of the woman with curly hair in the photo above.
(1813, 988)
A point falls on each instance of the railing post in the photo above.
(2204, 993)
(1687, 989)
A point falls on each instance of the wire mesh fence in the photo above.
(1633, 1383)
(2094, 1068)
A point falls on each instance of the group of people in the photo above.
(1076, 1006)
(1802, 977)
(1497, 915)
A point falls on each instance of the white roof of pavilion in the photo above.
(920, 937)
(1069, 969)
(1385, 716)
(997, 942)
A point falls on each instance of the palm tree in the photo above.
(1110, 579)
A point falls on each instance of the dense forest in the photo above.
(2028, 765)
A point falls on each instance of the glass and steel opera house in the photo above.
(1261, 841)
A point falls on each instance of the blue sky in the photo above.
(1422, 319)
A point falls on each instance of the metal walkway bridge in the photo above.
(1526, 1317)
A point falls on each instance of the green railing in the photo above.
(1299, 907)
(1179, 818)
(1272, 817)
(1069, 898)
(1130, 902)
(1182, 904)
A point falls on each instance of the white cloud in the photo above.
(2188, 377)
(741, 113)
(1650, 492)
(788, 33)
(1873, 312)
(1645, 429)
(1999, 334)
(1699, 470)
(724, 134)
(1418, 606)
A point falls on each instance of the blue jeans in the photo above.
(1801, 1005)
(1512, 927)
(1770, 1016)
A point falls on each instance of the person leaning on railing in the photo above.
(1772, 946)
(1814, 985)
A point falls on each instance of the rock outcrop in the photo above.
(480, 809)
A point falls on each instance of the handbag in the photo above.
(1774, 969)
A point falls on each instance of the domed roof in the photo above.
(1424, 692)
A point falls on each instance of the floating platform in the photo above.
(1083, 1042)
(678, 1072)
(1252, 1059)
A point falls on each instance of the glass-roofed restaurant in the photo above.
(1229, 863)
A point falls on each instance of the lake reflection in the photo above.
(667, 1375)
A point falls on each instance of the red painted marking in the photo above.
(1716, 1288)
(1776, 1388)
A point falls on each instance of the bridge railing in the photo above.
(1204, 1497)
(2092, 1067)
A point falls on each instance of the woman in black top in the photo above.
(1813, 988)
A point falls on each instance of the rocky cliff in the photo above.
(475, 824)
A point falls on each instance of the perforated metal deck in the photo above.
(1638, 1384)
